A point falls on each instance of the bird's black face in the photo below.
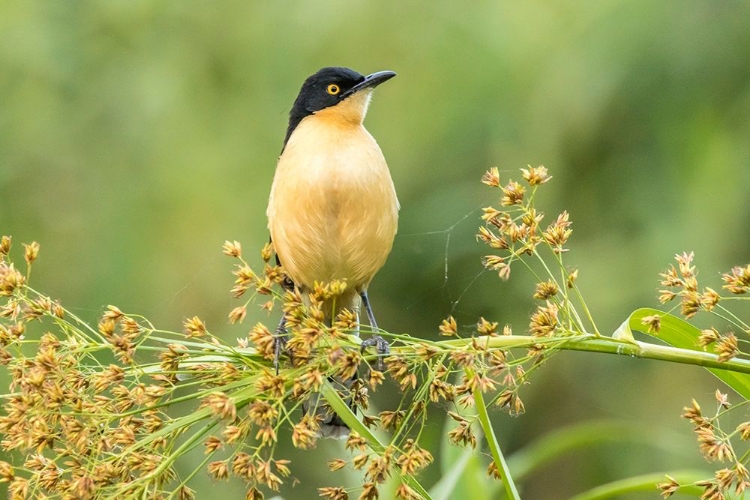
(327, 88)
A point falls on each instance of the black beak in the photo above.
(370, 81)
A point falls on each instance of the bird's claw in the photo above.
(382, 346)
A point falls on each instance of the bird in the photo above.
(333, 210)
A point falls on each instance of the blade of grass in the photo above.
(494, 445)
(444, 488)
(347, 415)
(681, 334)
(645, 482)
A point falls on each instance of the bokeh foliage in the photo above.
(135, 137)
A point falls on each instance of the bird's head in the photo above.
(339, 94)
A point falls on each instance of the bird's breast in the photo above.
(333, 208)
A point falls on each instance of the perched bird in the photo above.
(333, 211)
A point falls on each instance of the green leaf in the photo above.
(679, 333)
(559, 442)
(645, 482)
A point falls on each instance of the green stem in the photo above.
(737, 321)
(71, 315)
(497, 454)
(592, 343)
(184, 448)
(570, 310)
(586, 309)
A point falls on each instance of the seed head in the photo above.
(744, 430)
(6, 470)
(463, 435)
(237, 315)
(512, 194)
(405, 492)
(266, 252)
(669, 487)
(232, 249)
(708, 337)
(31, 252)
(546, 290)
(449, 328)
(726, 347)
(684, 261)
(558, 232)
(262, 413)
(666, 296)
(304, 433)
(722, 399)
(333, 493)
(266, 435)
(272, 385)
(336, 464)
(709, 299)
(669, 278)
(485, 327)
(391, 419)
(544, 320)
(10, 279)
(491, 177)
(212, 444)
(369, 491)
(691, 303)
(572, 277)
(653, 322)
(487, 236)
(497, 263)
(254, 494)
(219, 470)
(5, 244)
(220, 405)
(194, 327)
(535, 175)
(738, 280)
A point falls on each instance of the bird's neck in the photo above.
(349, 112)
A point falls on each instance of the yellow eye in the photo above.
(333, 89)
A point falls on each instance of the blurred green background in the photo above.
(136, 136)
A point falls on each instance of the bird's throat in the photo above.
(350, 111)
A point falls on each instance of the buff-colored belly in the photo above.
(333, 210)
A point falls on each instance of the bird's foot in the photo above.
(382, 346)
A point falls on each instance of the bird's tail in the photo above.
(331, 425)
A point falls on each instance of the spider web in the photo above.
(447, 287)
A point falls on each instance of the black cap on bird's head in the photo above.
(329, 87)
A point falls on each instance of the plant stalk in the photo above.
(592, 343)
(494, 445)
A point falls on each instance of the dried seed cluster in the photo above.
(111, 433)
(716, 445)
(70, 414)
(516, 233)
(90, 406)
(319, 349)
(681, 281)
